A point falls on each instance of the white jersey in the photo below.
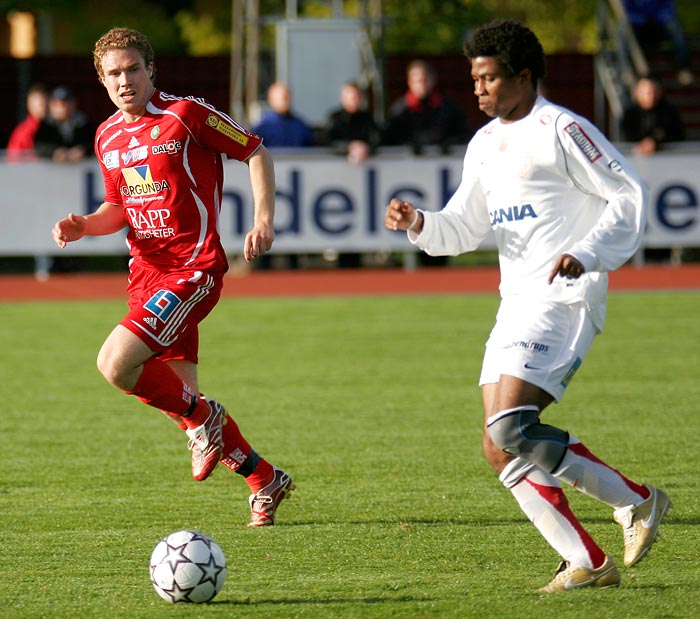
(547, 184)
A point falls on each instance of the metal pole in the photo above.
(252, 55)
(236, 105)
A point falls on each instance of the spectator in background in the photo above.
(66, 134)
(424, 116)
(20, 146)
(351, 128)
(21, 143)
(279, 126)
(651, 119)
(654, 21)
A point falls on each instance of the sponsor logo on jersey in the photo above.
(133, 142)
(135, 154)
(512, 213)
(150, 223)
(229, 131)
(111, 159)
(581, 140)
(170, 147)
(139, 182)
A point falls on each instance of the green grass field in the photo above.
(372, 405)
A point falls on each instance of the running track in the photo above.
(337, 283)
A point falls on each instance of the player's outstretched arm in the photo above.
(402, 215)
(108, 218)
(262, 179)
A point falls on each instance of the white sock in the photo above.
(582, 470)
(541, 498)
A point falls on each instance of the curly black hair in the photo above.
(514, 46)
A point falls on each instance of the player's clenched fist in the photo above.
(69, 229)
(402, 215)
(567, 266)
(257, 242)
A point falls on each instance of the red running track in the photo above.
(337, 283)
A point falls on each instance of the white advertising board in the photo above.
(322, 202)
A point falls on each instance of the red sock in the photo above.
(161, 387)
(242, 459)
(261, 476)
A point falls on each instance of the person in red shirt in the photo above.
(20, 146)
(161, 159)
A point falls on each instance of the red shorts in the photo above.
(165, 309)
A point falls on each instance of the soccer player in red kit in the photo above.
(161, 158)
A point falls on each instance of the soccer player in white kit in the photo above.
(565, 208)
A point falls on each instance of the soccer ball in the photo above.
(187, 566)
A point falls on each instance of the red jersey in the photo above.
(166, 170)
(21, 143)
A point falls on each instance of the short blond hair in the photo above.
(123, 38)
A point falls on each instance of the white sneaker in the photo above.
(640, 524)
(264, 503)
(206, 442)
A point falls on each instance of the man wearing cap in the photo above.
(66, 134)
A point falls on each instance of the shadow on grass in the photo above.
(323, 601)
(586, 520)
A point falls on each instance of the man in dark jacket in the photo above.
(66, 134)
(651, 120)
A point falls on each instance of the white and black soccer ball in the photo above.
(188, 566)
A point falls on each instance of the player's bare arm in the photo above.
(402, 215)
(262, 179)
(567, 266)
(107, 219)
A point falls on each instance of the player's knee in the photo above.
(504, 428)
(110, 367)
(494, 455)
(107, 368)
(519, 432)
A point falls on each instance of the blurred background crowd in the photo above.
(357, 77)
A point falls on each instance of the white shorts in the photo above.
(541, 343)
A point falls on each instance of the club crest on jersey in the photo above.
(139, 182)
(512, 213)
(230, 132)
(581, 140)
